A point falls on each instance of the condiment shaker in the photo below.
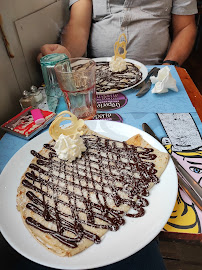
(36, 93)
(27, 100)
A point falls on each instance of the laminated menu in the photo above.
(23, 124)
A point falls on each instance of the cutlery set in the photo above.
(146, 84)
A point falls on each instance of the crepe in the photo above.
(106, 80)
(68, 206)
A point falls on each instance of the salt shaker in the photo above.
(36, 93)
(27, 100)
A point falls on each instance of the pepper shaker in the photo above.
(27, 100)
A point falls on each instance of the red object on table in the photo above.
(23, 124)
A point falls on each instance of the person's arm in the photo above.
(75, 34)
(184, 33)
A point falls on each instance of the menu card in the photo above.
(23, 125)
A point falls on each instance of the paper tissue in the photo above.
(164, 81)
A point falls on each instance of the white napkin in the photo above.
(164, 81)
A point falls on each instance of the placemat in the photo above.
(170, 102)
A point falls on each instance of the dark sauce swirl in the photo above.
(107, 169)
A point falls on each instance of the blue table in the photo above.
(135, 112)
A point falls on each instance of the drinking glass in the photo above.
(76, 78)
(52, 88)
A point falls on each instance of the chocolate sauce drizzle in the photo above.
(107, 171)
(107, 80)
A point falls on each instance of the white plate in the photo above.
(115, 246)
(142, 68)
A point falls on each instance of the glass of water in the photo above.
(76, 78)
(52, 88)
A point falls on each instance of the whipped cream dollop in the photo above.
(117, 64)
(164, 81)
(69, 147)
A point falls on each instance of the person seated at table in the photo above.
(94, 26)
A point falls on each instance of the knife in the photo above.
(186, 181)
(147, 82)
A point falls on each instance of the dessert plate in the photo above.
(141, 67)
(115, 246)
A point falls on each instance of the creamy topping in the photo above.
(117, 64)
(69, 147)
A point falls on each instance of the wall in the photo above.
(27, 26)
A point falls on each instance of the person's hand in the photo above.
(52, 48)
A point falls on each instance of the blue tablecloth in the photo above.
(170, 102)
(135, 112)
